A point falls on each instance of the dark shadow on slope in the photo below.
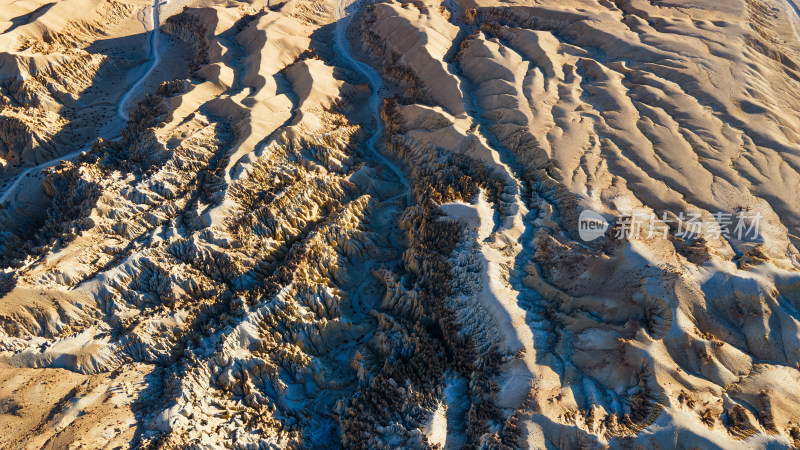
(27, 18)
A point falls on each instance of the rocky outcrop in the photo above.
(192, 31)
(265, 258)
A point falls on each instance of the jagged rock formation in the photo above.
(260, 258)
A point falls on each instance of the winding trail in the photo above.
(342, 48)
(11, 189)
(155, 58)
(123, 107)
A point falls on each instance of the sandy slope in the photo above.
(322, 224)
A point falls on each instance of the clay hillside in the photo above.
(386, 224)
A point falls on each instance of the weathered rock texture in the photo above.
(258, 259)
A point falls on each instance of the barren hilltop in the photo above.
(388, 224)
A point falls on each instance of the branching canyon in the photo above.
(363, 224)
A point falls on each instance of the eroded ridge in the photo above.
(357, 225)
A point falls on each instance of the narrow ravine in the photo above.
(13, 187)
(123, 107)
(342, 48)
